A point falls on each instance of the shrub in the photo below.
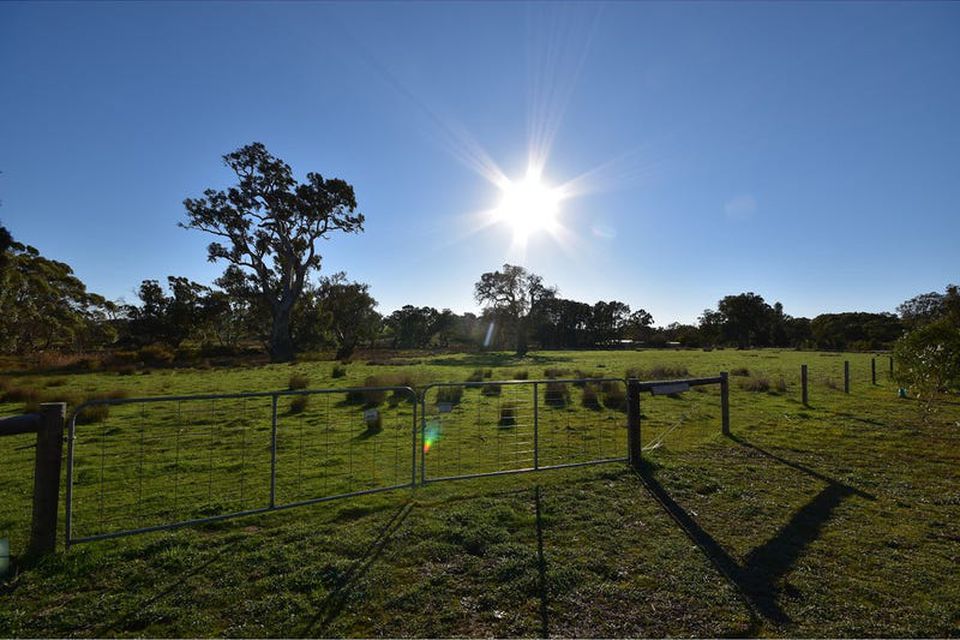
(298, 381)
(156, 355)
(557, 394)
(614, 395)
(928, 363)
(298, 404)
(591, 396)
(757, 384)
(449, 395)
(740, 371)
(508, 415)
(338, 371)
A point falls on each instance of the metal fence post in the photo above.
(725, 402)
(846, 376)
(536, 426)
(273, 452)
(803, 384)
(46, 479)
(413, 450)
(873, 370)
(634, 446)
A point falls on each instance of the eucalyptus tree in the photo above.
(514, 294)
(268, 225)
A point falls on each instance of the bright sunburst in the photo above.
(528, 206)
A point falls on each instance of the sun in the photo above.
(528, 206)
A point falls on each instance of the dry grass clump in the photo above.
(758, 384)
(556, 372)
(591, 396)
(740, 371)
(449, 395)
(557, 394)
(298, 381)
(490, 390)
(614, 395)
(665, 372)
(298, 404)
(521, 374)
(508, 415)
(781, 385)
(338, 371)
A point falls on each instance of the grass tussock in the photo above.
(490, 390)
(449, 395)
(740, 371)
(584, 377)
(781, 385)
(298, 381)
(479, 375)
(614, 395)
(757, 384)
(658, 372)
(338, 371)
(521, 374)
(508, 415)
(556, 372)
(557, 394)
(298, 404)
(591, 396)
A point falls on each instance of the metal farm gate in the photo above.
(145, 464)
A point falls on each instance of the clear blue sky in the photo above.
(807, 152)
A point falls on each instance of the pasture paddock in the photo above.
(838, 518)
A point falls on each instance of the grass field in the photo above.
(838, 519)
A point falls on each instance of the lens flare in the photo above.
(431, 434)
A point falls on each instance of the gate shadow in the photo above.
(333, 604)
(756, 578)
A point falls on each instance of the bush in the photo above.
(508, 415)
(449, 395)
(298, 404)
(757, 384)
(614, 395)
(156, 355)
(591, 397)
(928, 363)
(557, 394)
(740, 371)
(338, 371)
(298, 381)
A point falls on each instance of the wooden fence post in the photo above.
(891, 367)
(46, 479)
(725, 402)
(873, 371)
(803, 384)
(846, 376)
(634, 444)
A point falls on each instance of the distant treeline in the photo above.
(47, 308)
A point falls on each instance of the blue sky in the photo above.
(807, 152)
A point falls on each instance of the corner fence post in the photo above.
(725, 402)
(803, 385)
(873, 370)
(846, 376)
(46, 479)
(634, 448)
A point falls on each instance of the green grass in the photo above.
(838, 519)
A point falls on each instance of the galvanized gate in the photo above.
(145, 464)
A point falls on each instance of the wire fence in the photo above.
(142, 464)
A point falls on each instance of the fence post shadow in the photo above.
(755, 579)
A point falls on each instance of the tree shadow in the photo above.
(333, 604)
(755, 580)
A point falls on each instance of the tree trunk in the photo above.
(344, 351)
(522, 337)
(281, 341)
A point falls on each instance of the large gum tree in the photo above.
(268, 226)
